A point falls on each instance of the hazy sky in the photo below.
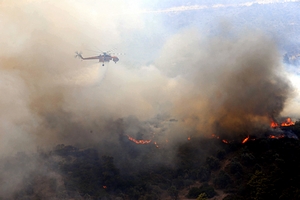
(178, 59)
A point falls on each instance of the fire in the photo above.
(225, 141)
(138, 141)
(245, 140)
(288, 122)
(217, 137)
(228, 142)
(276, 137)
(274, 124)
(189, 138)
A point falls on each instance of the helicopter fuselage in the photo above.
(105, 57)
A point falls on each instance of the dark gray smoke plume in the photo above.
(234, 84)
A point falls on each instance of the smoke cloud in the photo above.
(234, 83)
(224, 84)
(229, 84)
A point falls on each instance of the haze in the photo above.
(206, 80)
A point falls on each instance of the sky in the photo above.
(179, 58)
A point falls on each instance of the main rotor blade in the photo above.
(118, 53)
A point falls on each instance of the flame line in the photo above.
(138, 141)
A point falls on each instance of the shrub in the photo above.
(235, 167)
(223, 180)
(209, 191)
(213, 163)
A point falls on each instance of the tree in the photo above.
(202, 196)
(206, 189)
(235, 167)
(247, 159)
(204, 174)
(223, 180)
(221, 154)
(213, 163)
(173, 192)
(261, 187)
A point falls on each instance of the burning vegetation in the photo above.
(225, 96)
(139, 141)
(286, 122)
(245, 140)
(278, 131)
(240, 170)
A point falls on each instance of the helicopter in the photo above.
(104, 57)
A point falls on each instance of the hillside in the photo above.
(261, 168)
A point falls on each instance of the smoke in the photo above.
(233, 83)
(222, 84)
(230, 84)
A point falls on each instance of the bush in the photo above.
(235, 167)
(173, 191)
(213, 163)
(247, 159)
(204, 174)
(223, 180)
(221, 154)
(202, 196)
(209, 191)
(193, 192)
(233, 197)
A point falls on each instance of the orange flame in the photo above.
(138, 141)
(288, 122)
(225, 141)
(245, 140)
(276, 136)
(217, 137)
(274, 124)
